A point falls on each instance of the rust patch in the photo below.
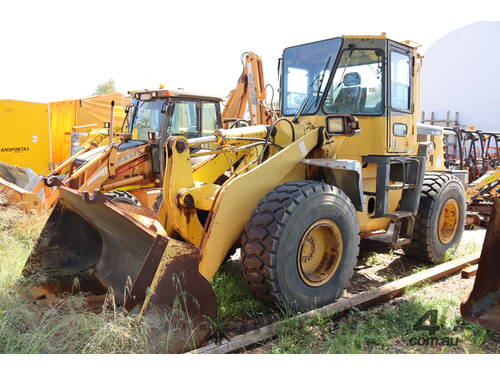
(180, 293)
(483, 303)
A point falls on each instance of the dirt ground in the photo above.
(377, 267)
(454, 283)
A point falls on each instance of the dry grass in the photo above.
(67, 327)
(27, 326)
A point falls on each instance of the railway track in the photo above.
(361, 300)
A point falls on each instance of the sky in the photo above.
(55, 50)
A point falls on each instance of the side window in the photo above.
(208, 118)
(184, 119)
(357, 84)
(400, 81)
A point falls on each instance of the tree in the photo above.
(104, 88)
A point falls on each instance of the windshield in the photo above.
(306, 70)
(147, 117)
(357, 84)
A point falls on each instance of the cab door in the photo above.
(400, 120)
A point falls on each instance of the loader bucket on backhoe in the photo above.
(92, 246)
(483, 303)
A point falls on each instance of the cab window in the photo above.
(400, 81)
(357, 84)
(208, 118)
(184, 120)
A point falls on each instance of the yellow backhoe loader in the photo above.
(130, 169)
(343, 162)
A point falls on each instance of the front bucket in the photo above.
(483, 303)
(91, 245)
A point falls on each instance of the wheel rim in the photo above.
(320, 252)
(448, 221)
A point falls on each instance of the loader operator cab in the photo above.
(367, 77)
(153, 116)
(368, 83)
(355, 87)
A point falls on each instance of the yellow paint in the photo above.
(179, 175)
(202, 195)
(24, 139)
(75, 115)
(448, 221)
(239, 196)
(320, 252)
(34, 135)
(476, 186)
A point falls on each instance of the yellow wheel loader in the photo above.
(345, 162)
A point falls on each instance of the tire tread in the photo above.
(420, 246)
(261, 236)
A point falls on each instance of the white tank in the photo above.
(461, 73)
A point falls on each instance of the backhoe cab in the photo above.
(136, 162)
(346, 162)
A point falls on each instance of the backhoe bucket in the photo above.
(483, 303)
(93, 246)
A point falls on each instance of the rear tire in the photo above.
(300, 246)
(119, 196)
(440, 220)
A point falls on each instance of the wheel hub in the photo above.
(320, 252)
(448, 221)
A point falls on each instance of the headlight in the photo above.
(342, 125)
(335, 125)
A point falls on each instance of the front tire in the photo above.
(300, 246)
(440, 220)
